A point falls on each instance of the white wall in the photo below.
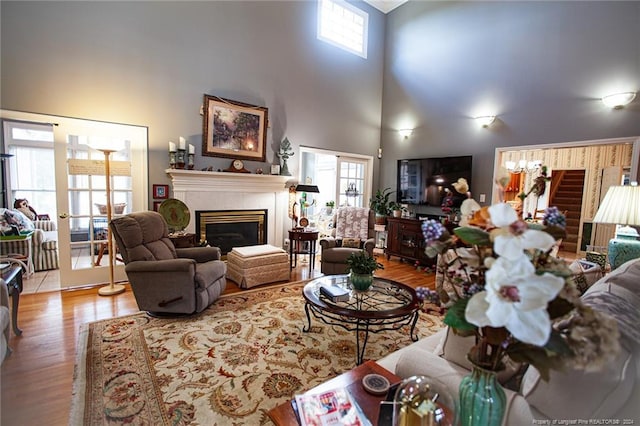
(149, 63)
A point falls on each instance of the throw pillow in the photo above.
(17, 218)
(352, 222)
(351, 242)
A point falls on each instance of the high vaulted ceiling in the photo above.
(385, 5)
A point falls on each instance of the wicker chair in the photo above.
(45, 246)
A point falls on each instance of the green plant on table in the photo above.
(380, 202)
(362, 263)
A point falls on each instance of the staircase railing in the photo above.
(555, 183)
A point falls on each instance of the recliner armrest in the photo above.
(199, 254)
(328, 242)
(369, 245)
(170, 265)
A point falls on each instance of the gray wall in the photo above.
(540, 66)
(149, 63)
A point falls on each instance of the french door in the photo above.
(343, 178)
(80, 187)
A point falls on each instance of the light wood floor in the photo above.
(36, 379)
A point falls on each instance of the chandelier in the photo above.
(523, 166)
(351, 190)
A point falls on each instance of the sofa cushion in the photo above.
(17, 218)
(611, 386)
(608, 390)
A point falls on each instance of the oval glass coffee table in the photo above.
(387, 305)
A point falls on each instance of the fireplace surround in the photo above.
(223, 191)
(227, 229)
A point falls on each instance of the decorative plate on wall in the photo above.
(176, 213)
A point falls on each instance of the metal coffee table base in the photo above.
(364, 325)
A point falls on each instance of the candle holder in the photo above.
(180, 158)
(190, 164)
(172, 159)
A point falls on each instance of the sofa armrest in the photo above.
(38, 237)
(328, 242)
(369, 245)
(45, 225)
(170, 265)
(199, 254)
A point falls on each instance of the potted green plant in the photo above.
(329, 206)
(396, 209)
(380, 205)
(361, 267)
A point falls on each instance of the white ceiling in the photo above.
(386, 5)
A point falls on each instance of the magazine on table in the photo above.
(333, 407)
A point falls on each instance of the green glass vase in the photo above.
(361, 282)
(482, 399)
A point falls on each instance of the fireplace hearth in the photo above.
(227, 229)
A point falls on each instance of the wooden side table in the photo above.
(183, 240)
(12, 275)
(283, 414)
(297, 240)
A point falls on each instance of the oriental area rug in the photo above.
(228, 365)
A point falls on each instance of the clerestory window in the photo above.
(343, 25)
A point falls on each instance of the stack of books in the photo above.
(335, 293)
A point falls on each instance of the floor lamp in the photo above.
(112, 288)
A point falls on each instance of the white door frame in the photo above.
(346, 156)
(63, 126)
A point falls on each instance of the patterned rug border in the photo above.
(78, 392)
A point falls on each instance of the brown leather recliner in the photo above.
(334, 255)
(166, 280)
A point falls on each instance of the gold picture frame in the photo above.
(233, 129)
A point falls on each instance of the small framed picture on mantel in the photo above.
(275, 169)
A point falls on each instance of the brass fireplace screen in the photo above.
(227, 229)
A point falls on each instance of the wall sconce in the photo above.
(405, 133)
(618, 100)
(379, 152)
(485, 120)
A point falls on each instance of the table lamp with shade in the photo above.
(621, 206)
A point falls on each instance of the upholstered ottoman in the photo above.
(254, 265)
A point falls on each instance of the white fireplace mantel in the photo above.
(203, 190)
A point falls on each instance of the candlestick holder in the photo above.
(181, 158)
(190, 164)
(172, 159)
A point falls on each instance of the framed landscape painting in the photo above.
(234, 129)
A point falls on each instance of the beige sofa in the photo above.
(612, 394)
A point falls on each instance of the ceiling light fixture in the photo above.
(485, 120)
(405, 133)
(618, 100)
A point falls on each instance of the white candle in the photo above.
(192, 149)
(172, 147)
(183, 143)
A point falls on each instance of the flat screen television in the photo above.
(424, 181)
